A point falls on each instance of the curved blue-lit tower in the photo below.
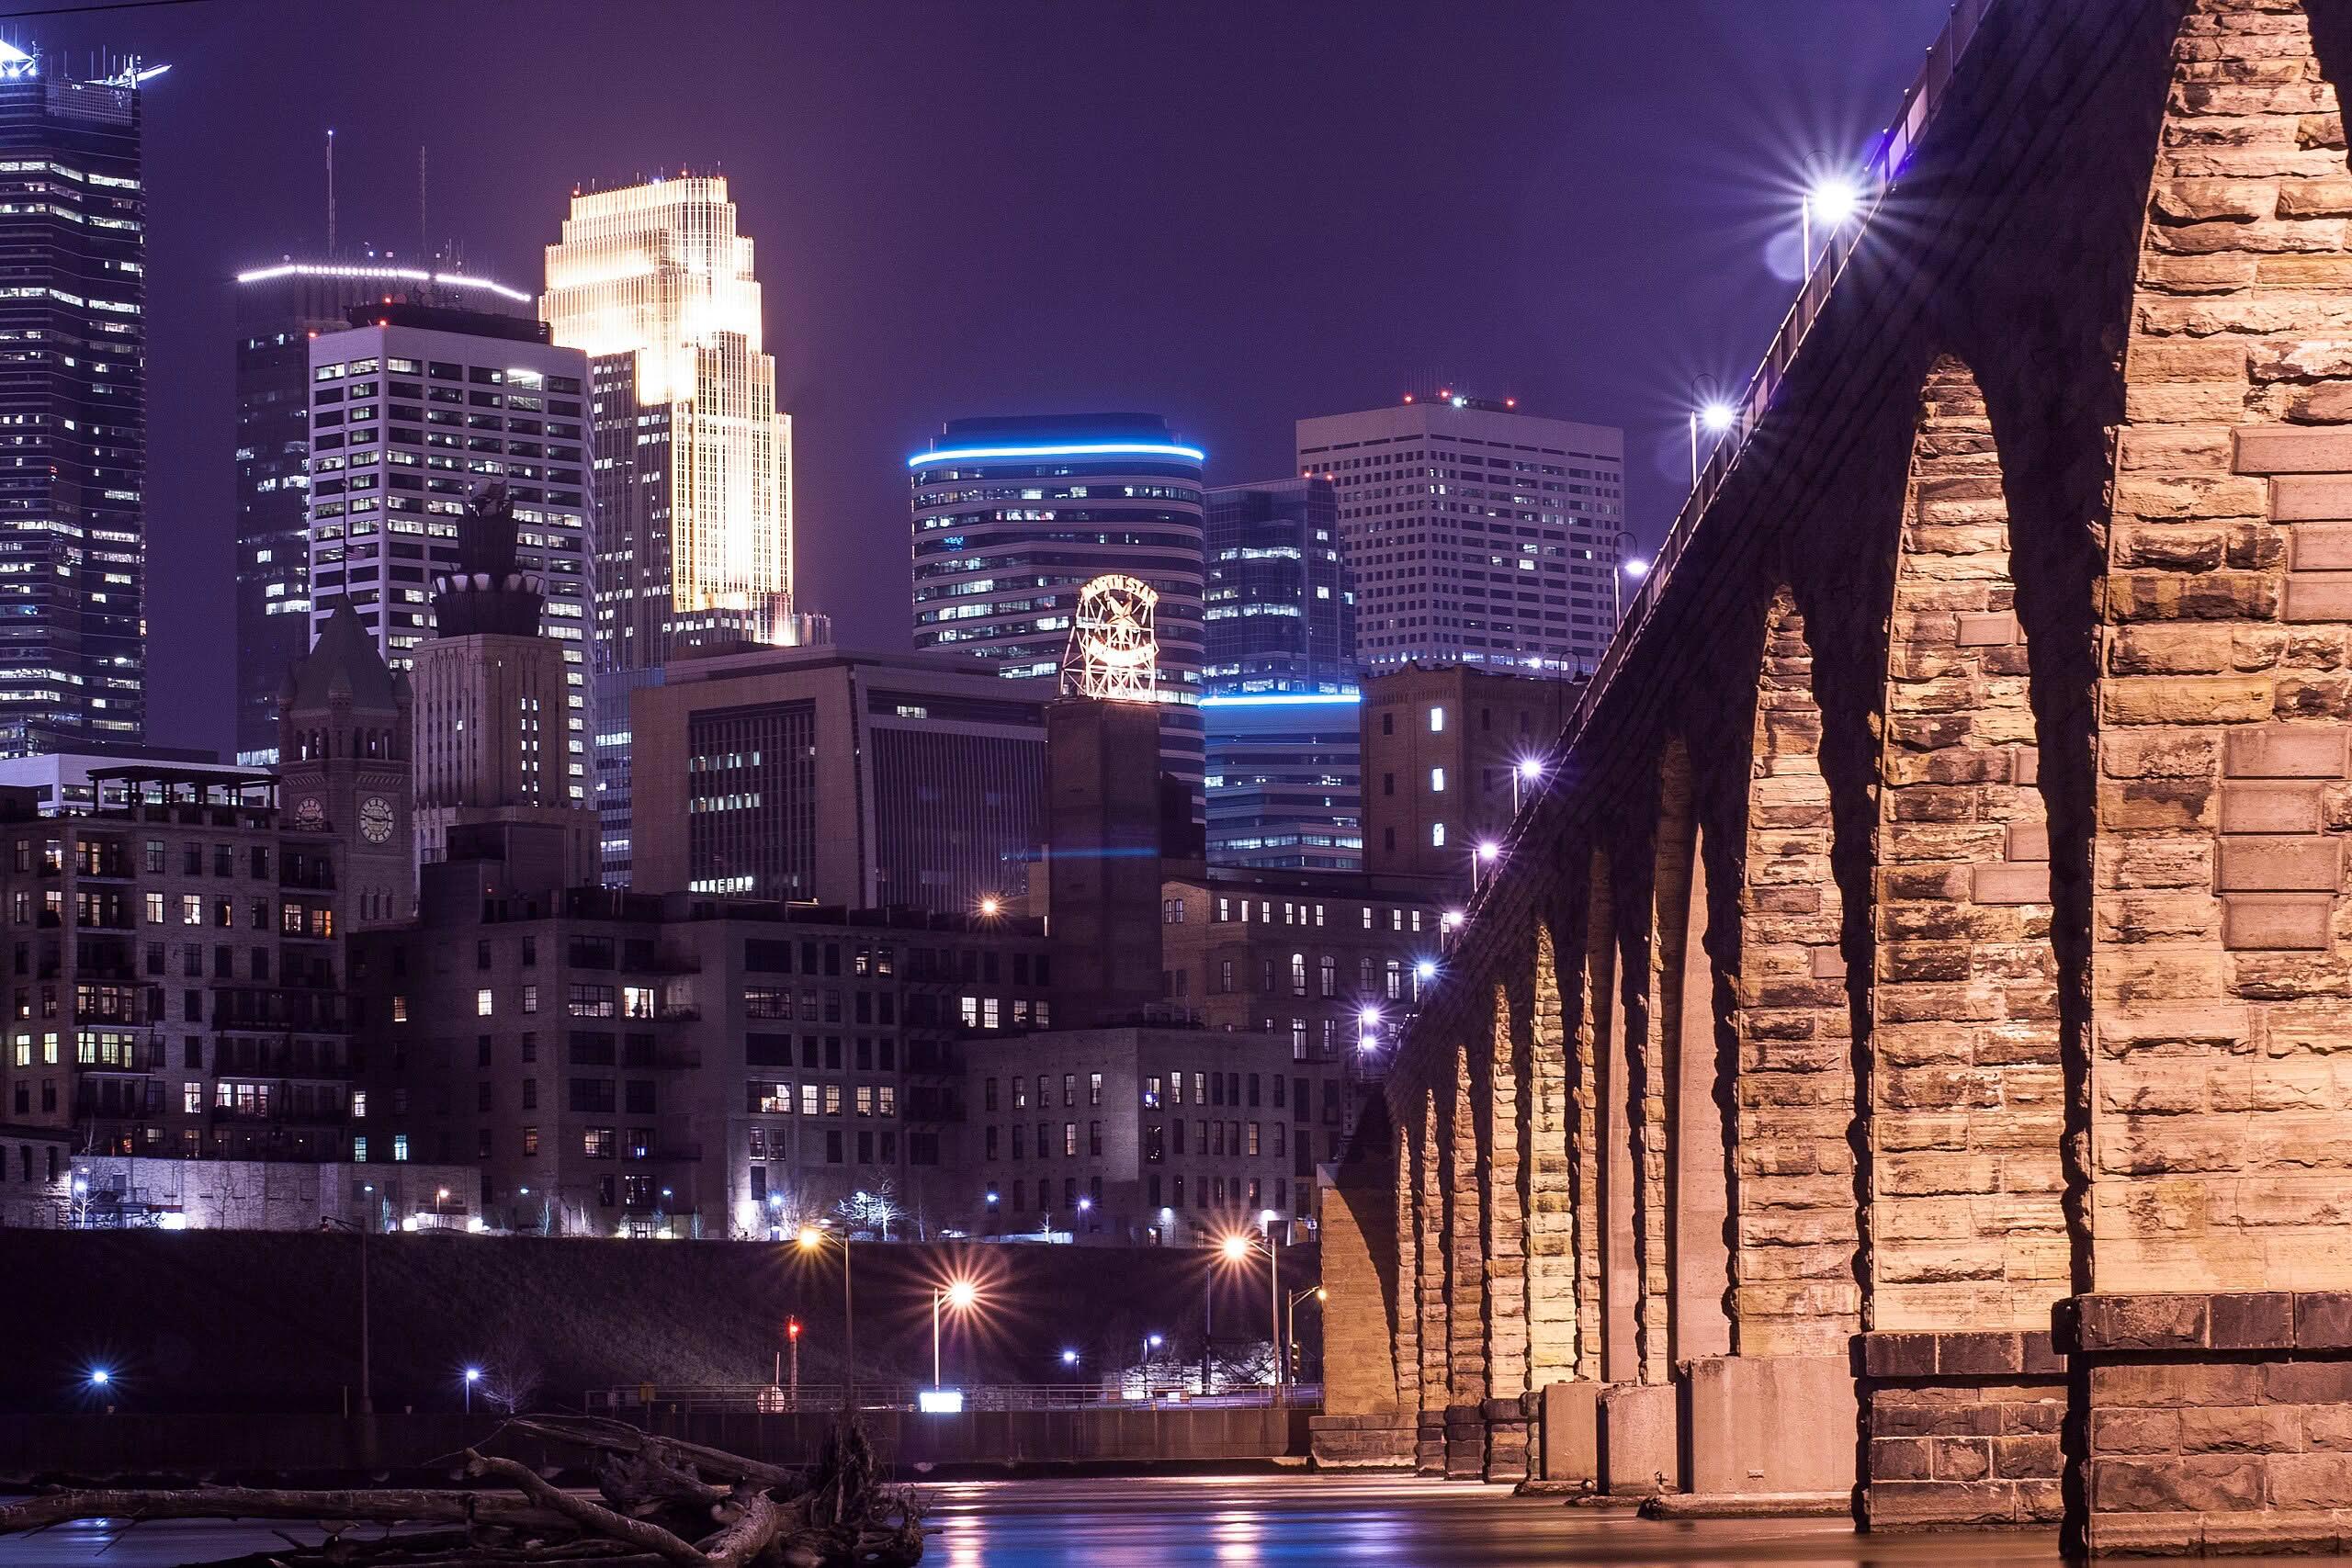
(1012, 515)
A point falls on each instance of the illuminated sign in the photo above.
(1114, 654)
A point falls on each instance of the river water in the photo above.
(1293, 1522)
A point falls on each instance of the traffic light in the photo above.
(792, 1329)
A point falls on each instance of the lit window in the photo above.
(1437, 720)
(483, 1003)
(1437, 780)
(1437, 835)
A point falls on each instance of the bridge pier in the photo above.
(1768, 1424)
(1508, 1429)
(1429, 1443)
(1638, 1442)
(2216, 1423)
(1466, 1441)
(1963, 1430)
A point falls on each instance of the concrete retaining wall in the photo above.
(126, 1445)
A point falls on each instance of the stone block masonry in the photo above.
(1923, 987)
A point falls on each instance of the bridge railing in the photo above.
(1878, 174)
(780, 1400)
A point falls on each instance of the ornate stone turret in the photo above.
(495, 699)
(488, 593)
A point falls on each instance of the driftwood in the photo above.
(666, 1504)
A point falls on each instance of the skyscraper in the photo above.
(72, 462)
(279, 309)
(1279, 708)
(694, 458)
(412, 415)
(1014, 516)
(1278, 612)
(1476, 533)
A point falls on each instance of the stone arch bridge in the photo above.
(1905, 1049)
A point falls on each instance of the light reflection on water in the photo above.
(1294, 1522)
(1290, 1521)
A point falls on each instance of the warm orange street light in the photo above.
(809, 1240)
(958, 1294)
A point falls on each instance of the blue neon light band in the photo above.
(1281, 700)
(1079, 449)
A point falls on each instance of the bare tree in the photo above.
(512, 1373)
(871, 1210)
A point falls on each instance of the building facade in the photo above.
(1014, 516)
(412, 415)
(622, 1064)
(693, 456)
(1323, 961)
(1449, 753)
(494, 707)
(1161, 1137)
(174, 980)
(1278, 612)
(72, 462)
(1475, 533)
(1283, 790)
(279, 309)
(858, 779)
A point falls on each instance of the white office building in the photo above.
(1476, 533)
(411, 414)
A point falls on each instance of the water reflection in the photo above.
(1266, 1522)
(1294, 1522)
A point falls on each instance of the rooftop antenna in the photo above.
(424, 232)
(329, 192)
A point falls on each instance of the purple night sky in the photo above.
(1232, 213)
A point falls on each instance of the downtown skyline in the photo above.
(918, 256)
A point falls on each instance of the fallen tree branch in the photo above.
(592, 1516)
(665, 1496)
(620, 1437)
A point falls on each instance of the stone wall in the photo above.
(1963, 831)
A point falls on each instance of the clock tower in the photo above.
(343, 771)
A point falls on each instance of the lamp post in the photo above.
(1835, 198)
(367, 1223)
(809, 1240)
(1483, 853)
(1715, 417)
(1528, 771)
(957, 1293)
(473, 1376)
(1236, 1248)
(1290, 1315)
(1634, 568)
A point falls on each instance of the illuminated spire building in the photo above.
(694, 458)
(1012, 516)
(279, 309)
(73, 464)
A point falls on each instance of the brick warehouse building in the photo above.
(1913, 1006)
(619, 1063)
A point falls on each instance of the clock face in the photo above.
(375, 818)
(308, 812)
